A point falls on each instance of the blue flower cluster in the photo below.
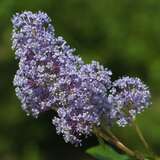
(129, 97)
(50, 77)
(46, 63)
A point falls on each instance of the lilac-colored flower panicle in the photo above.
(86, 103)
(129, 97)
(44, 61)
(51, 77)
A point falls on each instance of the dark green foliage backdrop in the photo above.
(123, 35)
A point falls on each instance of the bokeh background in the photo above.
(123, 35)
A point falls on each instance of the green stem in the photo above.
(116, 143)
(109, 132)
(143, 140)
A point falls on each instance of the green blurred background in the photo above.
(123, 35)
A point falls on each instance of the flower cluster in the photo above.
(86, 102)
(129, 97)
(50, 77)
(45, 61)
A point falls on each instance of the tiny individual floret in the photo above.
(129, 97)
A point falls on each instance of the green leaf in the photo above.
(105, 153)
